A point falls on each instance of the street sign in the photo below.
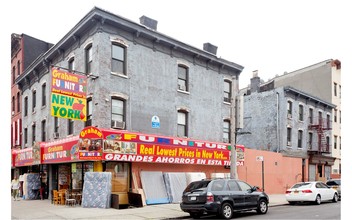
(155, 122)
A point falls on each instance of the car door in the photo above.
(328, 192)
(236, 194)
(250, 197)
(323, 191)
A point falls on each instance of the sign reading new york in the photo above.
(68, 95)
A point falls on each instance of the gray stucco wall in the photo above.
(150, 88)
(260, 120)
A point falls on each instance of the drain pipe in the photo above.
(277, 123)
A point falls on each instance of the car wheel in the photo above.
(195, 215)
(226, 211)
(318, 200)
(335, 198)
(262, 206)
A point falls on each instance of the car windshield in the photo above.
(333, 182)
(301, 185)
(196, 185)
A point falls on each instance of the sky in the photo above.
(271, 36)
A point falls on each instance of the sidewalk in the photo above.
(43, 209)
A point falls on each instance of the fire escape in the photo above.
(322, 145)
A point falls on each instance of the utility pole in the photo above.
(233, 112)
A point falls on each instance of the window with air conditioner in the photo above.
(227, 91)
(182, 78)
(118, 113)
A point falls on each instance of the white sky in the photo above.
(269, 36)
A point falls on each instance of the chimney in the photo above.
(255, 82)
(148, 22)
(210, 48)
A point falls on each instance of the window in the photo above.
(340, 143)
(226, 131)
(288, 136)
(34, 98)
(89, 59)
(227, 91)
(335, 89)
(328, 121)
(310, 140)
(335, 142)
(26, 106)
(310, 116)
(232, 185)
(18, 102)
(13, 103)
(320, 118)
(13, 74)
(340, 91)
(44, 94)
(300, 112)
(70, 126)
(117, 112)
(89, 113)
(182, 78)
(56, 124)
(182, 120)
(43, 130)
(118, 59)
(33, 133)
(335, 115)
(25, 136)
(71, 65)
(244, 186)
(18, 68)
(300, 137)
(327, 143)
(289, 109)
(340, 117)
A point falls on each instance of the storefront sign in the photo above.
(64, 150)
(90, 144)
(23, 157)
(68, 95)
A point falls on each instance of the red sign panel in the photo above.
(64, 150)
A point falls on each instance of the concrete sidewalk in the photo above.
(43, 209)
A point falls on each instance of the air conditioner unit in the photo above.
(118, 124)
(288, 143)
(12, 113)
(56, 135)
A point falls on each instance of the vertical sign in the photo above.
(155, 122)
(68, 95)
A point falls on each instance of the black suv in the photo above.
(222, 197)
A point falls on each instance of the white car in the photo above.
(315, 191)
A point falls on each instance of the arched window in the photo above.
(182, 123)
(227, 90)
(118, 61)
(118, 113)
(182, 78)
(89, 58)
